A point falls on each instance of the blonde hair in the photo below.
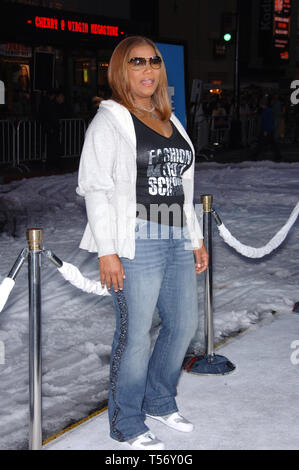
(119, 81)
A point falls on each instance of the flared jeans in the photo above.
(162, 275)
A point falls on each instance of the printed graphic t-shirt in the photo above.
(161, 162)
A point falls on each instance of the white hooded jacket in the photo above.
(107, 181)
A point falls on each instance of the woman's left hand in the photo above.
(201, 259)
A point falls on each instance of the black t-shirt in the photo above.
(161, 161)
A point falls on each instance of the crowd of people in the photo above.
(266, 117)
(285, 116)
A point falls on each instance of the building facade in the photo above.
(197, 24)
(267, 44)
(63, 44)
(67, 44)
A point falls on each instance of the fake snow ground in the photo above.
(253, 200)
(253, 408)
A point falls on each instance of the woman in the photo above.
(138, 157)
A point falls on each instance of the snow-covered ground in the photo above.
(253, 199)
(253, 408)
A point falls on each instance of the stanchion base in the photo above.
(296, 307)
(212, 364)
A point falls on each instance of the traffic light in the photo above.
(227, 26)
(227, 37)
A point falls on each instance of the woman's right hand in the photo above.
(111, 272)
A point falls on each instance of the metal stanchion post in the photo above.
(34, 239)
(8, 283)
(209, 363)
(18, 264)
(55, 260)
(207, 232)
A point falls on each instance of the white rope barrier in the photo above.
(250, 251)
(72, 274)
(6, 287)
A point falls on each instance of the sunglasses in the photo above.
(139, 63)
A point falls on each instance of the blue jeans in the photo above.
(162, 274)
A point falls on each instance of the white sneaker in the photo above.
(175, 421)
(146, 441)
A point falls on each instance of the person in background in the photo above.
(218, 110)
(46, 105)
(76, 107)
(137, 157)
(226, 103)
(47, 116)
(244, 116)
(277, 112)
(60, 105)
(266, 137)
(104, 93)
(52, 111)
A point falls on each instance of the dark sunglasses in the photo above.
(139, 63)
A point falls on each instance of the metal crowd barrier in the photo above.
(31, 142)
(7, 143)
(201, 132)
(253, 128)
(219, 129)
(72, 132)
(26, 141)
(209, 131)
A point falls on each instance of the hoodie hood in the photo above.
(121, 117)
(120, 114)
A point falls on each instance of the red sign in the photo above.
(281, 27)
(74, 26)
(46, 23)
